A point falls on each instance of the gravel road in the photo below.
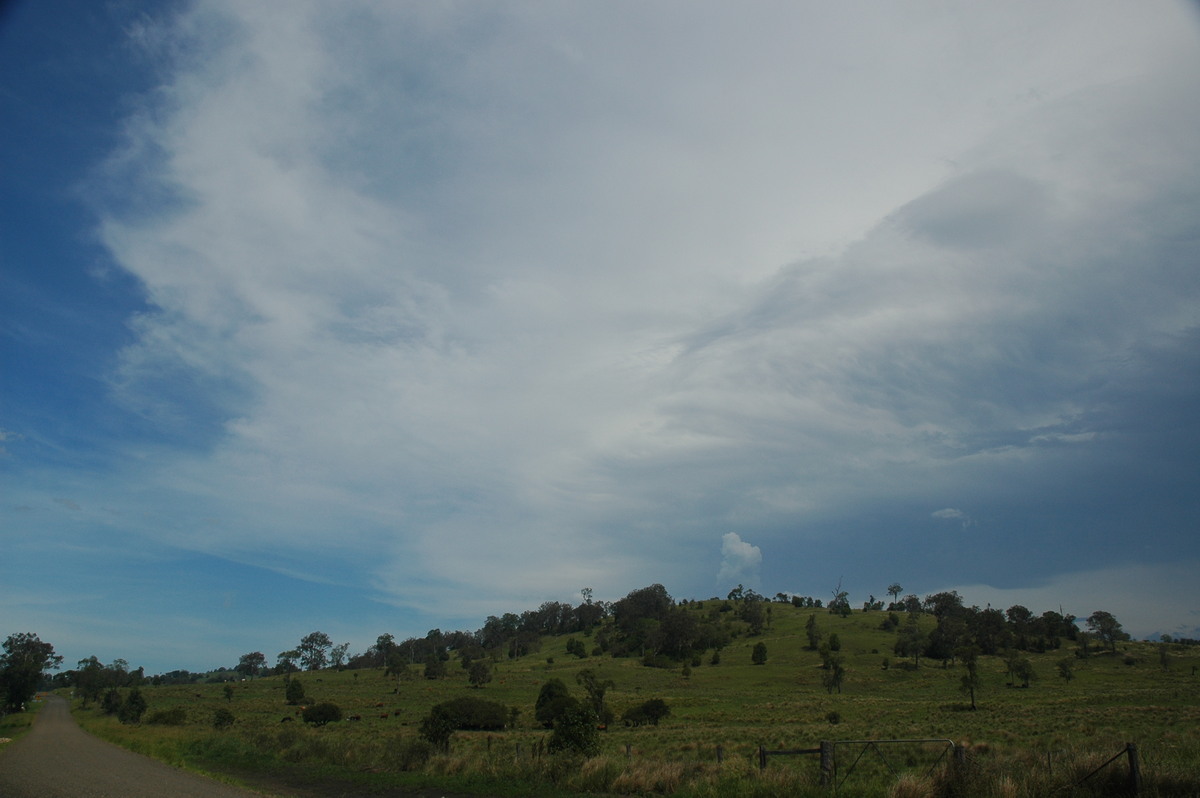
(57, 759)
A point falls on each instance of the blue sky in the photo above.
(378, 317)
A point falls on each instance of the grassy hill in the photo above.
(1019, 741)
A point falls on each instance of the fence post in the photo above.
(762, 757)
(720, 754)
(826, 763)
(1135, 771)
(628, 751)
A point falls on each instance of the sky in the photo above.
(374, 316)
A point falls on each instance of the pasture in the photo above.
(1019, 740)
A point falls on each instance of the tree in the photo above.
(437, 727)
(294, 692)
(835, 673)
(22, 664)
(435, 668)
(132, 708)
(480, 673)
(814, 634)
(596, 688)
(320, 714)
(840, 603)
(651, 712)
(285, 663)
(1066, 669)
(337, 655)
(759, 656)
(910, 641)
(894, 590)
(575, 731)
(551, 700)
(1106, 627)
(314, 650)
(252, 664)
(969, 656)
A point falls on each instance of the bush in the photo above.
(320, 714)
(575, 731)
(132, 708)
(111, 704)
(474, 714)
(651, 712)
(295, 692)
(436, 728)
(222, 719)
(168, 717)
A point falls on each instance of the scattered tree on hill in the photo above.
(813, 632)
(314, 650)
(910, 641)
(596, 688)
(969, 656)
(285, 663)
(650, 712)
(132, 708)
(337, 655)
(1020, 669)
(840, 603)
(480, 673)
(252, 664)
(835, 672)
(552, 699)
(1066, 669)
(759, 656)
(22, 664)
(1106, 628)
(894, 590)
(575, 731)
(294, 693)
(320, 714)
(435, 667)
(437, 727)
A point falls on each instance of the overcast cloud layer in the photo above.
(469, 306)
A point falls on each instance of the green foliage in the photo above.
(759, 655)
(222, 718)
(435, 668)
(649, 712)
(175, 716)
(436, 728)
(320, 714)
(552, 700)
(480, 673)
(575, 731)
(576, 647)
(111, 704)
(24, 660)
(294, 693)
(133, 707)
(473, 714)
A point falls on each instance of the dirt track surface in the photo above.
(57, 759)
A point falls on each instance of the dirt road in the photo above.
(57, 759)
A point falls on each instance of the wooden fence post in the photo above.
(720, 754)
(826, 763)
(1135, 770)
(762, 757)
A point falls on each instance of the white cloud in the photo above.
(740, 561)
(472, 304)
(953, 514)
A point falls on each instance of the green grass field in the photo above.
(1020, 741)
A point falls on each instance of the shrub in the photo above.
(551, 700)
(222, 719)
(111, 704)
(651, 712)
(177, 716)
(295, 692)
(320, 714)
(759, 657)
(575, 731)
(436, 728)
(133, 707)
(473, 714)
